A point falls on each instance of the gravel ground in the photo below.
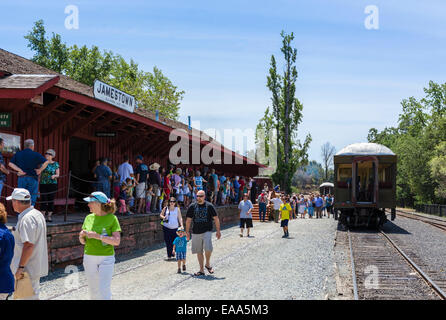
(265, 266)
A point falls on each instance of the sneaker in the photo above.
(179, 270)
(284, 236)
(184, 267)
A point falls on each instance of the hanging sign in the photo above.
(105, 134)
(116, 97)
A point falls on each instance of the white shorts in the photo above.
(201, 241)
(140, 188)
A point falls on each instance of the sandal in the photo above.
(210, 269)
(199, 273)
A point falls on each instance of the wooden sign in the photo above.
(106, 134)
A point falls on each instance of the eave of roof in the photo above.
(15, 64)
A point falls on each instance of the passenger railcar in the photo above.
(326, 188)
(365, 184)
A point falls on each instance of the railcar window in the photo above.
(385, 176)
(344, 176)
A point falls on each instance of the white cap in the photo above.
(20, 194)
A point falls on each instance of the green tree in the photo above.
(153, 90)
(286, 115)
(438, 170)
(421, 129)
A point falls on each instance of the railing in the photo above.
(435, 209)
(68, 188)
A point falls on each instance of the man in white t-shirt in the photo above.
(31, 250)
(125, 170)
(276, 206)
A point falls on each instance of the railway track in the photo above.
(381, 270)
(438, 223)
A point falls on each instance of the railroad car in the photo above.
(326, 188)
(365, 184)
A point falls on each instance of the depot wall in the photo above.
(138, 232)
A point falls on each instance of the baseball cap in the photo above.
(19, 194)
(139, 157)
(51, 152)
(98, 197)
(180, 229)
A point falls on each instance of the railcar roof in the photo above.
(365, 148)
(327, 184)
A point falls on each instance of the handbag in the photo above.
(23, 287)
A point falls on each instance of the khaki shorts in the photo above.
(201, 241)
(140, 188)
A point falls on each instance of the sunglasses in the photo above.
(48, 154)
(172, 201)
(200, 196)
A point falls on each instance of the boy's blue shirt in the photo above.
(180, 244)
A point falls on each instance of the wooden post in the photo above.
(66, 198)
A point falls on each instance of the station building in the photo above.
(82, 126)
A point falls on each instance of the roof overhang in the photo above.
(25, 86)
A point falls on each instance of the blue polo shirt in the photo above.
(6, 254)
(319, 202)
(28, 160)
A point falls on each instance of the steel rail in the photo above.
(429, 281)
(355, 286)
(433, 222)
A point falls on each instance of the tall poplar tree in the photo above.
(286, 115)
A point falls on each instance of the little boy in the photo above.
(284, 216)
(179, 248)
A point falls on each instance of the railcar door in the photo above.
(365, 180)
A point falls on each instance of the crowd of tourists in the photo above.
(138, 188)
(284, 207)
(145, 189)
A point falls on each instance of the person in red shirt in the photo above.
(242, 186)
(167, 187)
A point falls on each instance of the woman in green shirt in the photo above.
(48, 185)
(100, 234)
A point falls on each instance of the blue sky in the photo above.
(350, 78)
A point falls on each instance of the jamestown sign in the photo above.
(116, 97)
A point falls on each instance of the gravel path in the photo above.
(265, 266)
